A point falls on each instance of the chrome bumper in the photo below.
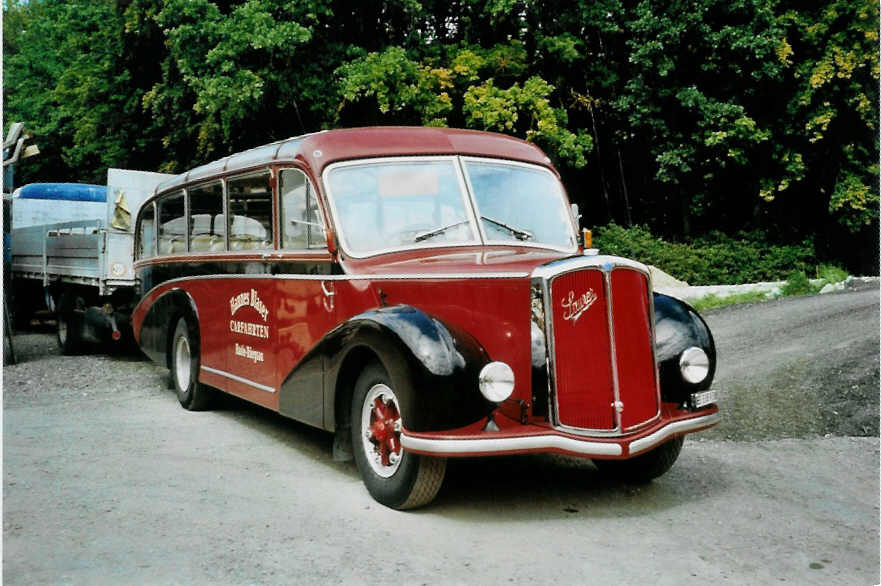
(489, 445)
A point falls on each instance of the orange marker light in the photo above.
(587, 238)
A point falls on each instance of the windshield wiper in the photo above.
(435, 232)
(518, 233)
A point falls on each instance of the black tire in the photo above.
(193, 395)
(69, 323)
(413, 480)
(645, 467)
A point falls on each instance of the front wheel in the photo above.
(192, 395)
(394, 477)
(645, 467)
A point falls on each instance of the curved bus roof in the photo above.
(323, 148)
(62, 192)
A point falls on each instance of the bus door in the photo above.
(305, 300)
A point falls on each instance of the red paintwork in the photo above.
(494, 311)
(583, 357)
(493, 305)
(631, 316)
(389, 141)
(455, 260)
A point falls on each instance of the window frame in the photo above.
(158, 202)
(187, 189)
(271, 173)
(472, 209)
(561, 195)
(467, 200)
(139, 240)
(325, 220)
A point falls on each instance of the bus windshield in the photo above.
(393, 204)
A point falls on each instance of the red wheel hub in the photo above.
(383, 419)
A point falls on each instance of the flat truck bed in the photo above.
(72, 252)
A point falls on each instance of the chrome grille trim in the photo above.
(542, 277)
(613, 348)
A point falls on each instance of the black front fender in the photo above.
(678, 327)
(433, 368)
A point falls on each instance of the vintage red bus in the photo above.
(422, 293)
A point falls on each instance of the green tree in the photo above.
(76, 78)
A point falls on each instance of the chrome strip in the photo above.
(536, 442)
(662, 434)
(616, 384)
(551, 349)
(239, 379)
(567, 265)
(386, 277)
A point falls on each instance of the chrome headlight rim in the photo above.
(694, 365)
(496, 381)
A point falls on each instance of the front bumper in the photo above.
(516, 438)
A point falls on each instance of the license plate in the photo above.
(703, 399)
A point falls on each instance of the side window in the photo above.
(301, 223)
(172, 224)
(250, 212)
(147, 233)
(207, 226)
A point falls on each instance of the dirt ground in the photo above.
(108, 481)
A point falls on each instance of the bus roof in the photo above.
(323, 148)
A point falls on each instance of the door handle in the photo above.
(328, 295)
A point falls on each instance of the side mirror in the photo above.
(576, 216)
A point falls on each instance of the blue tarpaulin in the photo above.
(63, 191)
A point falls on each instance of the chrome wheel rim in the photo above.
(182, 363)
(381, 430)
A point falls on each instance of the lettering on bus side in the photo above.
(249, 353)
(249, 298)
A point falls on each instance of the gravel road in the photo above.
(108, 481)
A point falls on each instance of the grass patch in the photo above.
(713, 301)
(798, 284)
(831, 273)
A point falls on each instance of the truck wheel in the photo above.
(645, 467)
(192, 395)
(69, 319)
(394, 477)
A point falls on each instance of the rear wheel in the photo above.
(393, 476)
(645, 467)
(69, 319)
(192, 395)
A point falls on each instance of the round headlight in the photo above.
(496, 381)
(694, 364)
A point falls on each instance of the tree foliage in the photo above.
(689, 117)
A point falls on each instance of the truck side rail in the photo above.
(69, 251)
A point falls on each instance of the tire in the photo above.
(193, 395)
(645, 467)
(69, 323)
(394, 477)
